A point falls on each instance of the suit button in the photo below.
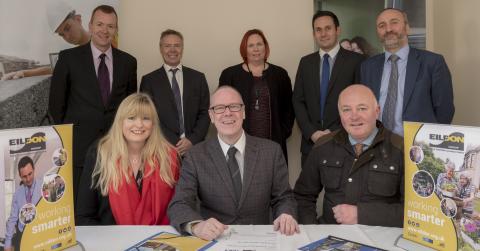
(338, 162)
(392, 168)
(350, 180)
(324, 161)
(375, 166)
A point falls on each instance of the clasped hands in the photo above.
(211, 229)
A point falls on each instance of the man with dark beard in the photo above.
(410, 84)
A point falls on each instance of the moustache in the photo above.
(391, 33)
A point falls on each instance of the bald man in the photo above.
(360, 166)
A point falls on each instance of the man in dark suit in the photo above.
(180, 94)
(321, 76)
(410, 84)
(88, 84)
(237, 178)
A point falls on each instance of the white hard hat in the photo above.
(57, 12)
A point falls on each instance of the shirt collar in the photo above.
(332, 53)
(240, 144)
(96, 52)
(168, 67)
(402, 53)
(368, 141)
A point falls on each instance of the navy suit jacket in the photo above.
(195, 100)
(306, 92)
(428, 93)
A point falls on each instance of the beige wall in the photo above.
(453, 30)
(212, 32)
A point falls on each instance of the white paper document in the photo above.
(257, 238)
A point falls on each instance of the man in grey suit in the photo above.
(321, 76)
(237, 178)
(180, 95)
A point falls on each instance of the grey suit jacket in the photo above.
(204, 176)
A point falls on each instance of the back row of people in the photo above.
(90, 81)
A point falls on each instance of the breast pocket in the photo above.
(331, 173)
(383, 179)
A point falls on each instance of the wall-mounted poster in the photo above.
(36, 198)
(32, 35)
(442, 177)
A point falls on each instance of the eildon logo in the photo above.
(37, 142)
(454, 141)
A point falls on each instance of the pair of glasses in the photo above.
(219, 109)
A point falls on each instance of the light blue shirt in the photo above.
(402, 73)
(19, 200)
(367, 142)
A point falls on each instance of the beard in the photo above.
(392, 40)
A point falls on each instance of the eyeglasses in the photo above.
(219, 109)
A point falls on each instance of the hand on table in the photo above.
(208, 229)
(286, 224)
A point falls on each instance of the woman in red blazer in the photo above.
(129, 176)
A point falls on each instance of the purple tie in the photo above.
(104, 79)
(29, 195)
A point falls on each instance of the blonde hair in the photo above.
(112, 162)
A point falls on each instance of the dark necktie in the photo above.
(324, 83)
(29, 195)
(358, 149)
(103, 79)
(178, 100)
(388, 115)
(234, 172)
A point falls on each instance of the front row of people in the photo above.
(132, 174)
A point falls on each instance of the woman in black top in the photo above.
(266, 90)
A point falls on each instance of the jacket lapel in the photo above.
(220, 163)
(186, 96)
(117, 68)
(166, 92)
(337, 66)
(316, 76)
(91, 76)
(377, 75)
(249, 165)
(413, 65)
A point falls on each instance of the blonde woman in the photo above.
(129, 176)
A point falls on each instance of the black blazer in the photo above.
(75, 95)
(196, 99)
(306, 92)
(280, 87)
(94, 208)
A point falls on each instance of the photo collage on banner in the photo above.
(36, 190)
(442, 176)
